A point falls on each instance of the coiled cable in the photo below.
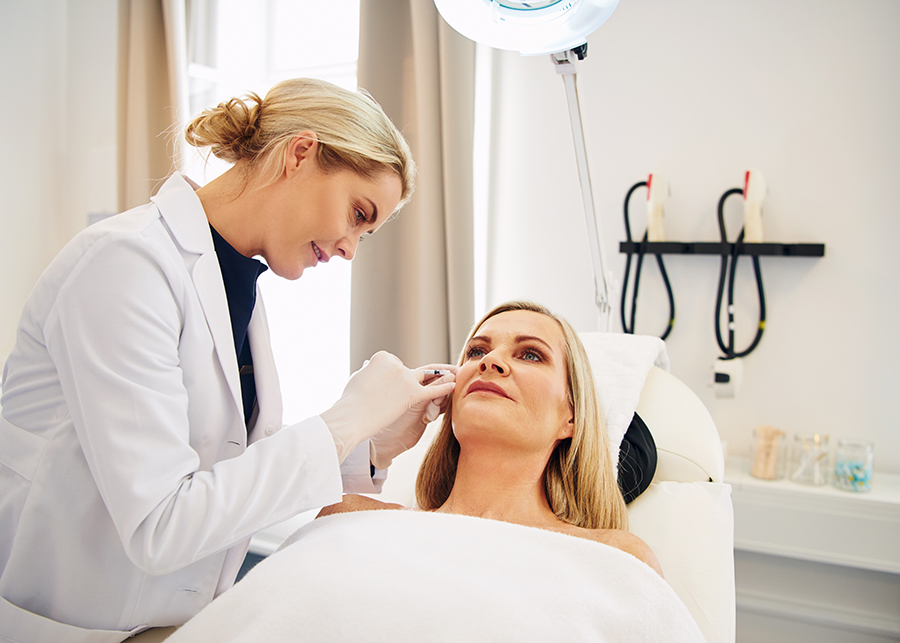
(642, 249)
(728, 347)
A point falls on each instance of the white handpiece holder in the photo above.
(728, 375)
(657, 191)
(754, 194)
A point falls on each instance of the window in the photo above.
(236, 46)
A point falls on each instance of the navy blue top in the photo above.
(239, 273)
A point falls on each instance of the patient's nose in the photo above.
(492, 361)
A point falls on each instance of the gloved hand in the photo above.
(384, 394)
(405, 432)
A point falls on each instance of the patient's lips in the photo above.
(487, 387)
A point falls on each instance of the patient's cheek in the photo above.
(459, 391)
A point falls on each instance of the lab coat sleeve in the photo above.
(357, 473)
(114, 335)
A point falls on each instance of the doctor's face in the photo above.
(513, 384)
(323, 215)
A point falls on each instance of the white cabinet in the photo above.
(816, 561)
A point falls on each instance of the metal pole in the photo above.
(565, 66)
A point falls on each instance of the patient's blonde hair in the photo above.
(353, 132)
(579, 479)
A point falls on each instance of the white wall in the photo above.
(699, 91)
(58, 106)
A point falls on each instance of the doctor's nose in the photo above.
(346, 247)
(493, 361)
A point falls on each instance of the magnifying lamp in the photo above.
(559, 28)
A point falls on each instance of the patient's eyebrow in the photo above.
(519, 339)
(529, 338)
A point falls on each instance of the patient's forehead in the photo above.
(527, 323)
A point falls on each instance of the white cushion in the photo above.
(690, 528)
(687, 441)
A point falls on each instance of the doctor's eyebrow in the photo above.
(374, 210)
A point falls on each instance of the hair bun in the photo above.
(230, 130)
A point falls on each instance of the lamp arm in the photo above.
(603, 286)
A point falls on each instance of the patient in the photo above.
(523, 440)
(520, 533)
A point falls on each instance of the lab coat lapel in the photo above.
(268, 388)
(207, 278)
(183, 213)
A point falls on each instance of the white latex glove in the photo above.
(383, 394)
(405, 432)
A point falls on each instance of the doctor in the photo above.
(141, 439)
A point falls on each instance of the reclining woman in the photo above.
(523, 444)
(514, 447)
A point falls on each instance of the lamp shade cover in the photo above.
(532, 28)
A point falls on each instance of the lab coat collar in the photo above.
(176, 195)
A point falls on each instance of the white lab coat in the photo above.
(123, 502)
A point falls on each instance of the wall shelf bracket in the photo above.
(720, 248)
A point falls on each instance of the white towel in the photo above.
(620, 363)
(418, 576)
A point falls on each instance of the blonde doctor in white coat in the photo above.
(133, 465)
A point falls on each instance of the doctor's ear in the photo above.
(302, 148)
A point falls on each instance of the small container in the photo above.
(809, 459)
(853, 465)
(767, 453)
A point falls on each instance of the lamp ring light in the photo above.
(532, 28)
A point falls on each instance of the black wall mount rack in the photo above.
(721, 248)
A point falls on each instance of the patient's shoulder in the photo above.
(352, 502)
(625, 541)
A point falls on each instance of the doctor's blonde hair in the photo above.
(579, 478)
(352, 129)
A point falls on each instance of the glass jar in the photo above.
(767, 453)
(853, 465)
(809, 459)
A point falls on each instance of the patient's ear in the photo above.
(567, 430)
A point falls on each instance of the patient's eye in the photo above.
(532, 355)
(475, 351)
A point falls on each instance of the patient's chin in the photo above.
(478, 414)
(485, 432)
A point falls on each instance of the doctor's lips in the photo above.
(490, 387)
(321, 256)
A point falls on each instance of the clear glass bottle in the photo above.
(809, 459)
(853, 465)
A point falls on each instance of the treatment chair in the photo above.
(685, 515)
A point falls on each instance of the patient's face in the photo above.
(512, 385)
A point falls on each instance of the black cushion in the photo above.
(637, 459)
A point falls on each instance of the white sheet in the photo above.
(417, 576)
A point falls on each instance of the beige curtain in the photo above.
(412, 290)
(152, 95)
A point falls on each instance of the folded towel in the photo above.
(418, 576)
(620, 363)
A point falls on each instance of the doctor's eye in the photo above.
(361, 217)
